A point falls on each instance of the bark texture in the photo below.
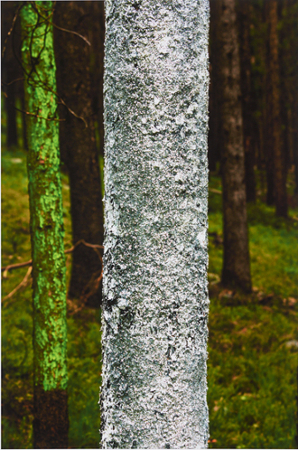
(49, 285)
(78, 147)
(236, 265)
(276, 159)
(155, 280)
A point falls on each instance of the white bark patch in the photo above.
(155, 263)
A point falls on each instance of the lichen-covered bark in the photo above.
(49, 288)
(155, 281)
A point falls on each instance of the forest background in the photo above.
(253, 341)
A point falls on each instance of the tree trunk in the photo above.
(236, 265)
(214, 141)
(78, 147)
(50, 426)
(276, 157)
(10, 72)
(155, 280)
(247, 107)
(98, 35)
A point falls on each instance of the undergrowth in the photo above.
(252, 344)
(253, 339)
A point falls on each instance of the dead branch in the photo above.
(29, 263)
(11, 29)
(215, 191)
(23, 283)
(92, 285)
(38, 116)
(73, 32)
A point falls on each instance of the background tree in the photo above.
(236, 265)
(12, 75)
(155, 286)
(50, 424)
(244, 22)
(214, 141)
(78, 145)
(276, 164)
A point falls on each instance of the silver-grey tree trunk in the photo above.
(155, 281)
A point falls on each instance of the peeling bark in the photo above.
(155, 281)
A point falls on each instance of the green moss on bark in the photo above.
(49, 285)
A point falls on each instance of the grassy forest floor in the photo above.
(253, 340)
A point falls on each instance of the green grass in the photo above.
(17, 353)
(251, 371)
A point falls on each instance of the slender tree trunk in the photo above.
(78, 146)
(50, 426)
(155, 283)
(236, 265)
(10, 71)
(247, 107)
(274, 138)
(98, 35)
(214, 141)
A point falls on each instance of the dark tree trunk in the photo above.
(236, 265)
(49, 407)
(276, 182)
(214, 116)
(78, 146)
(295, 117)
(247, 107)
(98, 36)
(10, 72)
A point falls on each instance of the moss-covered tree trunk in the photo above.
(49, 289)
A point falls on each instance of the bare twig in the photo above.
(13, 81)
(70, 110)
(46, 19)
(93, 284)
(29, 263)
(215, 191)
(23, 283)
(38, 116)
(11, 29)
(73, 32)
